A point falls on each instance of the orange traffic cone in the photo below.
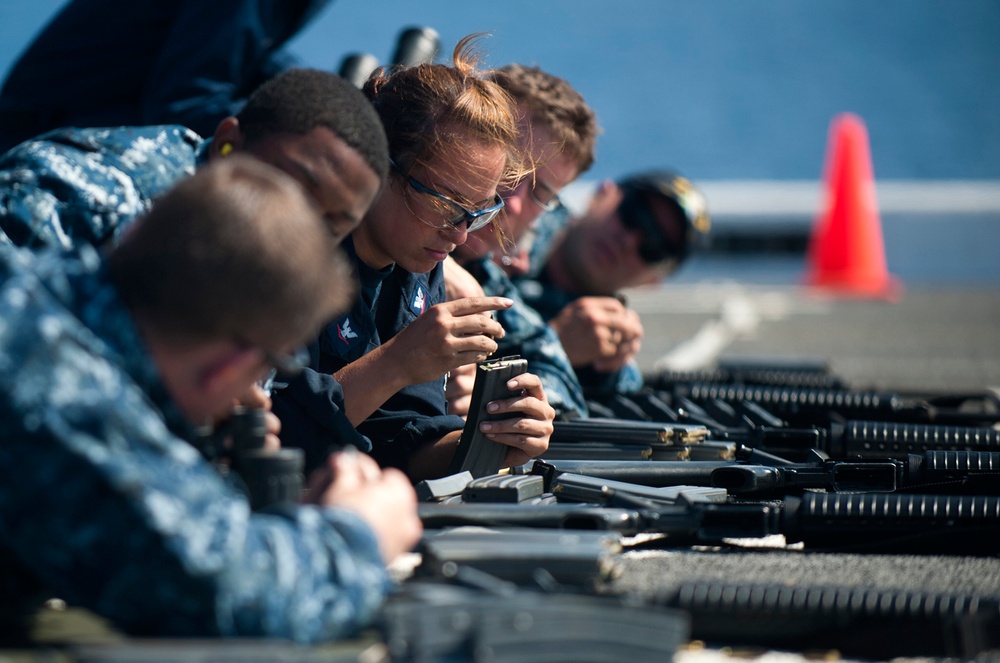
(846, 254)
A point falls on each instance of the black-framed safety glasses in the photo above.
(475, 219)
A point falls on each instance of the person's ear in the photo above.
(227, 138)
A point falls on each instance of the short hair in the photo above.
(431, 109)
(236, 250)
(552, 102)
(299, 100)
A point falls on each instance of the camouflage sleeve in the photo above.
(116, 514)
(159, 546)
(40, 205)
(83, 186)
(629, 378)
(526, 334)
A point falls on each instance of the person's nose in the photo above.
(457, 235)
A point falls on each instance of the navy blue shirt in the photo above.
(390, 299)
(102, 63)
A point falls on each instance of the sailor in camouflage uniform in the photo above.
(86, 186)
(107, 366)
(547, 300)
(635, 232)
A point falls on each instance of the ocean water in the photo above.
(728, 89)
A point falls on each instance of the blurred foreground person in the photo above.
(635, 232)
(109, 367)
(107, 63)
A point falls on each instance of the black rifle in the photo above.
(681, 523)
(808, 406)
(528, 557)
(751, 424)
(947, 524)
(875, 439)
(774, 372)
(434, 622)
(742, 422)
(655, 473)
(857, 622)
(236, 448)
(755, 471)
(953, 471)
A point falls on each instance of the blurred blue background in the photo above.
(735, 90)
(727, 89)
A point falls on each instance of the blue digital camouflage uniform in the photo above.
(549, 299)
(530, 337)
(84, 186)
(390, 299)
(106, 505)
(107, 63)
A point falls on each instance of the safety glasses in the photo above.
(475, 219)
(543, 195)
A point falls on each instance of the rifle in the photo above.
(427, 622)
(954, 470)
(857, 622)
(755, 471)
(529, 556)
(950, 524)
(750, 423)
(654, 473)
(875, 439)
(775, 372)
(810, 406)
(265, 476)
